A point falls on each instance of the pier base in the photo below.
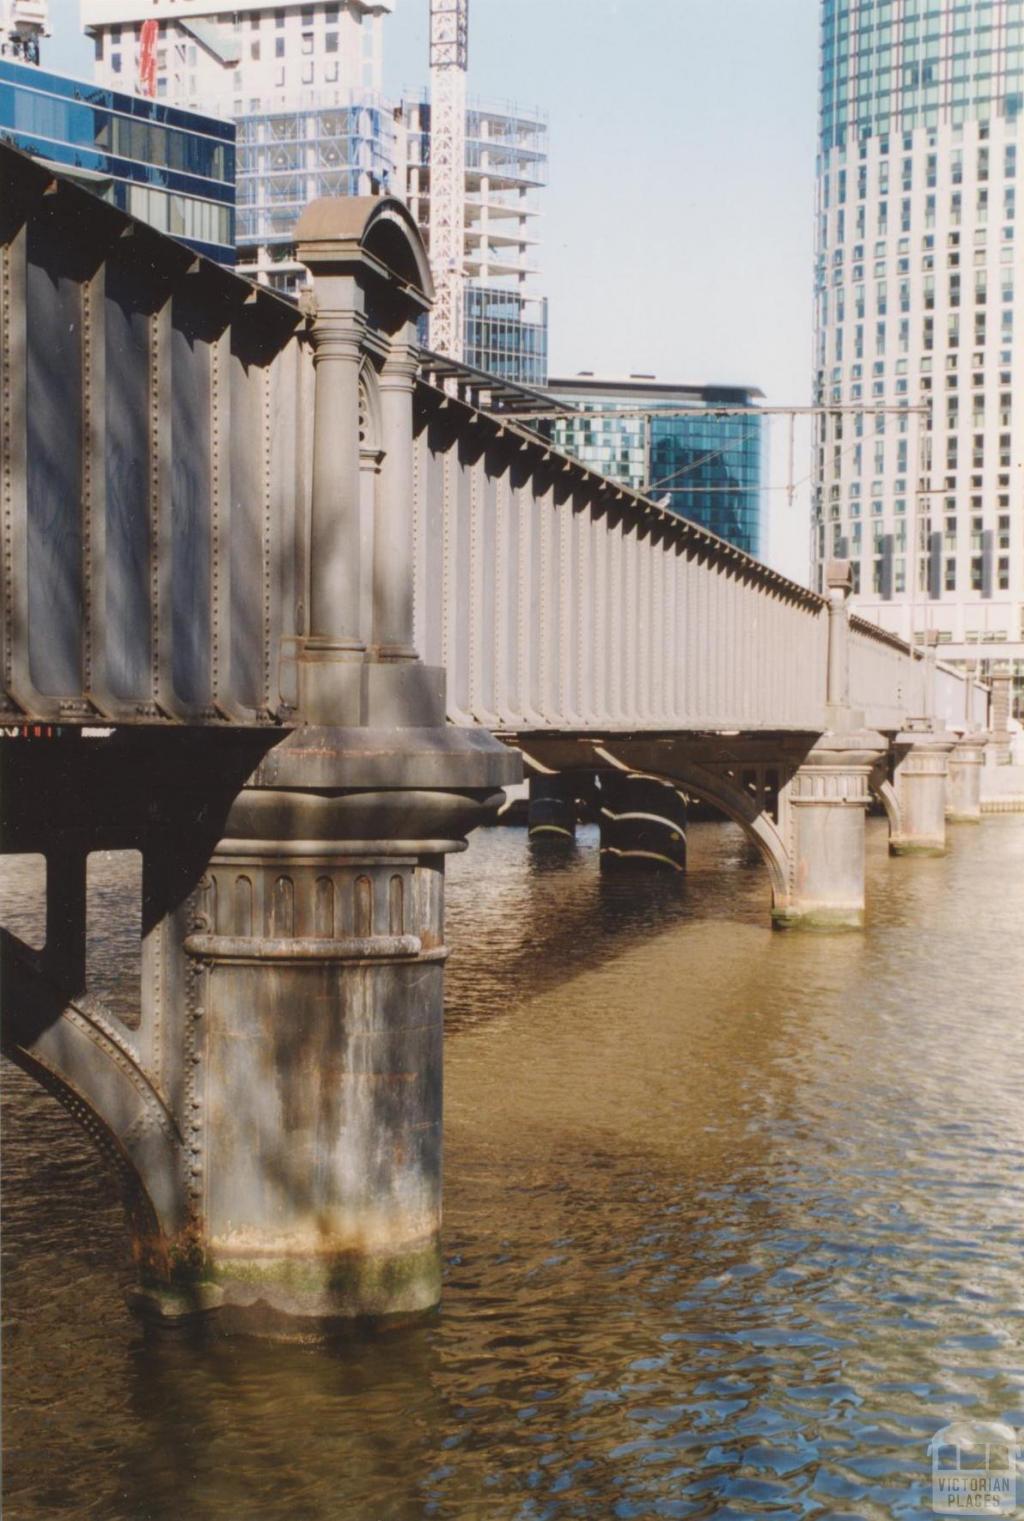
(963, 798)
(308, 963)
(552, 807)
(826, 805)
(643, 822)
(920, 781)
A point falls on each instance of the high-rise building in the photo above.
(172, 168)
(918, 283)
(505, 325)
(303, 82)
(705, 460)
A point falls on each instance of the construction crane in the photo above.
(449, 45)
(23, 25)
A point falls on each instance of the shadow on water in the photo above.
(533, 914)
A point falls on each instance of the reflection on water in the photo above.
(734, 1224)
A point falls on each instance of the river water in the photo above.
(734, 1224)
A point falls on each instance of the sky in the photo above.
(676, 235)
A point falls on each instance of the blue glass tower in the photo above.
(172, 168)
(706, 462)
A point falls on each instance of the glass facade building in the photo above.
(170, 167)
(505, 323)
(707, 465)
(917, 287)
(507, 334)
(302, 83)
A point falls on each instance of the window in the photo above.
(278, 47)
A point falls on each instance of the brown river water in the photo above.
(734, 1224)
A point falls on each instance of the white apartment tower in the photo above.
(302, 82)
(918, 289)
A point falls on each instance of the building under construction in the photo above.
(304, 84)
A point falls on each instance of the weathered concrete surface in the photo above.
(920, 782)
(828, 798)
(1002, 789)
(966, 763)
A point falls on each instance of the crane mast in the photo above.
(449, 37)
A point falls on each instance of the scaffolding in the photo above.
(449, 42)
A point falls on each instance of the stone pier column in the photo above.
(920, 782)
(966, 760)
(999, 742)
(642, 820)
(315, 1084)
(823, 811)
(552, 807)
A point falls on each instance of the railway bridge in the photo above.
(290, 613)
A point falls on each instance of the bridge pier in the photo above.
(826, 803)
(920, 783)
(642, 821)
(312, 949)
(552, 807)
(966, 760)
(315, 963)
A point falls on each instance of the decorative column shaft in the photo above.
(838, 581)
(920, 781)
(393, 542)
(334, 563)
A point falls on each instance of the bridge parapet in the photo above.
(155, 433)
(158, 474)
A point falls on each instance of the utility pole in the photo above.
(449, 41)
